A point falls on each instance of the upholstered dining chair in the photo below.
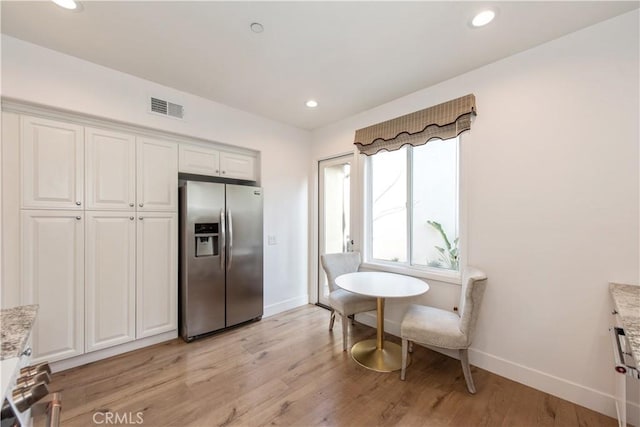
(343, 302)
(446, 329)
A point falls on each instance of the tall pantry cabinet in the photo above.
(98, 235)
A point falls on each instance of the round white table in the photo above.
(378, 354)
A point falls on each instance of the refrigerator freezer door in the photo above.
(202, 276)
(244, 254)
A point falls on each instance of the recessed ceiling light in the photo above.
(256, 27)
(67, 4)
(311, 103)
(483, 18)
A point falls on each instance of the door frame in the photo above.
(355, 229)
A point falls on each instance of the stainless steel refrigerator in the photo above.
(220, 256)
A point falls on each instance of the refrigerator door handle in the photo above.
(223, 238)
(230, 240)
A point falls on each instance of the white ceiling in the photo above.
(349, 56)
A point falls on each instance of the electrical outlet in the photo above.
(271, 240)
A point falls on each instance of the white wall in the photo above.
(35, 74)
(551, 190)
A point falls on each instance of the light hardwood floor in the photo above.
(290, 370)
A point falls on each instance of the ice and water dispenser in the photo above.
(206, 236)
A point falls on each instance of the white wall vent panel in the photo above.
(165, 108)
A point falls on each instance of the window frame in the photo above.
(406, 268)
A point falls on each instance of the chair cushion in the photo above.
(348, 303)
(433, 326)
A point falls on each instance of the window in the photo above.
(412, 206)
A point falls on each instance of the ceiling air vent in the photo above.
(160, 106)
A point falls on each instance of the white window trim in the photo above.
(436, 274)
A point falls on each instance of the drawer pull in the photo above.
(28, 352)
(53, 411)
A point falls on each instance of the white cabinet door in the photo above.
(110, 288)
(237, 166)
(52, 155)
(111, 170)
(157, 273)
(53, 277)
(199, 160)
(157, 175)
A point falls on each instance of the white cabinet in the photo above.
(157, 273)
(110, 272)
(53, 277)
(96, 225)
(211, 162)
(237, 166)
(157, 175)
(52, 164)
(198, 160)
(110, 170)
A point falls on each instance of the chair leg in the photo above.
(405, 351)
(345, 326)
(466, 370)
(332, 319)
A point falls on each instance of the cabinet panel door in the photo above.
(52, 164)
(111, 170)
(157, 175)
(110, 294)
(53, 277)
(237, 166)
(199, 160)
(157, 273)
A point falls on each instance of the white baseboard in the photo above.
(73, 362)
(556, 386)
(285, 305)
(94, 356)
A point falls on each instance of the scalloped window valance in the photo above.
(442, 121)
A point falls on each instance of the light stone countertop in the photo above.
(626, 299)
(15, 327)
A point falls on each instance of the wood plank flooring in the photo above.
(290, 370)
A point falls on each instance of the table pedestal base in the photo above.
(388, 359)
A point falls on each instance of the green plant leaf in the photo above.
(450, 258)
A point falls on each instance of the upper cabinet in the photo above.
(68, 166)
(110, 169)
(52, 155)
(157, 175)
(237, 166)
(199, 160)
(207, 161)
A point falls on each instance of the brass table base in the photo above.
(387, 359)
